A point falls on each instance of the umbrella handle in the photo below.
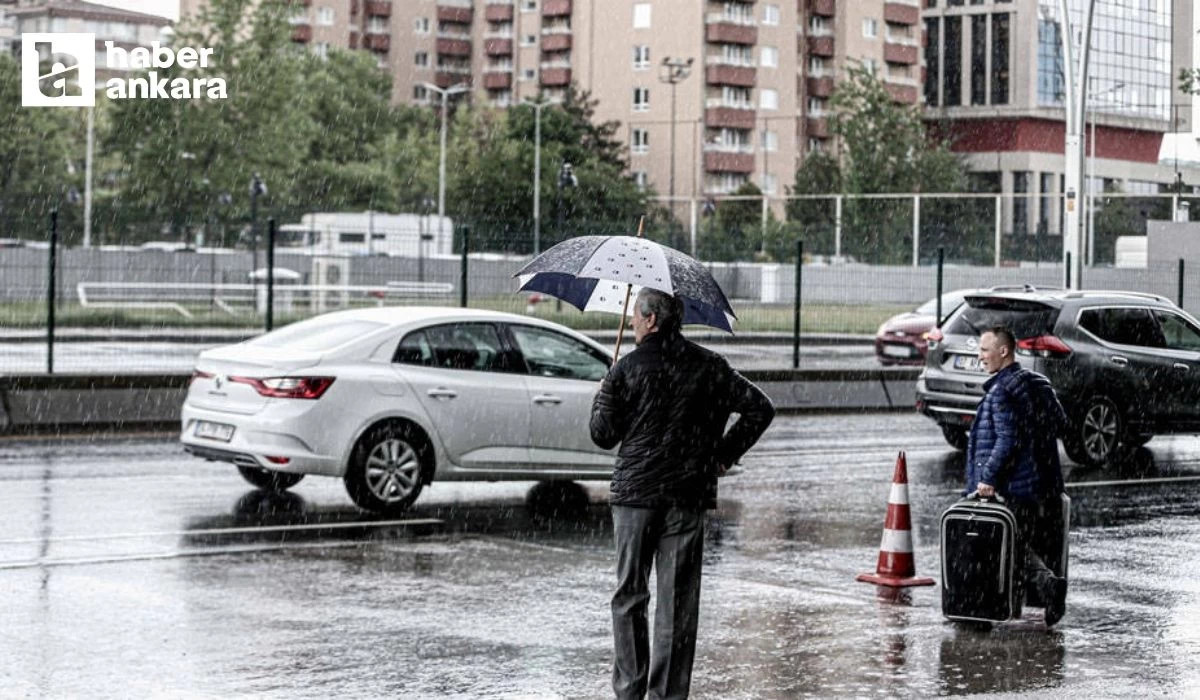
(625, 310)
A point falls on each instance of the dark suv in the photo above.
(1126, 365)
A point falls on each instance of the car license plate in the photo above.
(214, 431)
(897, 350)
(968, 363)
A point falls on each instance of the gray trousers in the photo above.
(672, 539)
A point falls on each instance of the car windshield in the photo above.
(1025, 319)
(950, 302)
(317, 334)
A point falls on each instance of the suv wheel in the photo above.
(1093, 440)
(956, 437)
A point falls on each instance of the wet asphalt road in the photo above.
(149, 357)
(128, 569)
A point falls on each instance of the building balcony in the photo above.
(726, 32)
(552, 77)
(446, 78)
(718, 117)
(457, 14)
(899, 53)
(453, 47)
(498, 12)
(556, 42)
(302, 33)
(818, 127)
(901, 12)
(902, 93)
(821, 46)
(377, 8)
(377, 42)
(823, 8)
(354, 39)
(556, 8)
(718, 162)
(497, 47)
(819, 87)
(497, 81)
(738, 76)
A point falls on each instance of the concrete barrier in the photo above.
(52, 403)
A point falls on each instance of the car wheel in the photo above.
(957, 437)
(1095, 436)
(386, 468)
(268, 479)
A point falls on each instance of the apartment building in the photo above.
(995, 84)
(746, 99)
(125, 29)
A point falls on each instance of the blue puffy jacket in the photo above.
(1013, 441)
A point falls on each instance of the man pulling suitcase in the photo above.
(1012, 452)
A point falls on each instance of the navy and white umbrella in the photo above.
(592, 273)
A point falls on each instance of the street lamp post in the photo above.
(537, 172)
(445, 93)
(1075, 103)
(674, 71)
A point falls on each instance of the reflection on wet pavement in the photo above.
(129, 570)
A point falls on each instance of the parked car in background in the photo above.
(902, 339)
(392, 399)
(1126, 365)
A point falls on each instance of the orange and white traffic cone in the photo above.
(896, 567)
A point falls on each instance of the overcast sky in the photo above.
(166, 8)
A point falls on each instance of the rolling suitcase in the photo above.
(980, 580)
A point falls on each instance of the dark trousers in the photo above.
(673, 540)
(1038, 539)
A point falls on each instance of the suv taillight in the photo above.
(288, 387)
(1044, 346)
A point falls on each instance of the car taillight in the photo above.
(197, 374)
(933, 337)
(287, 387)
(1044, 346)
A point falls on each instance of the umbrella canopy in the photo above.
(592, 273)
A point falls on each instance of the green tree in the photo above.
(36, 153)
(734, 232)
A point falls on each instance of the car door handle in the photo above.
(546, 399)
(441, 393)
(1118, 360)
(1181, 367)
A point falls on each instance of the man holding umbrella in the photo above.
(667, 403)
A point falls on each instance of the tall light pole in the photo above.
(445, 93)
(1074, 104)
(674, 71)
(1091, 225)
(537, 171)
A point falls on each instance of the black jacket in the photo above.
(667, 403)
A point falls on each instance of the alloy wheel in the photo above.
(1100, 430)
(393, 470)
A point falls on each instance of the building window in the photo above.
(817, 65)
(528, 74)
(325, 16)
(641, 99)
(952, 62)
(641, 15)
(769, 57)
(816, 107)
(870, 27)
(529, 6)
(640, 179)
(735, 96)
(1051, 83)
(379, 25)
(421, 25)
(1000, 59)
(979, 59)
(932, 59)
(816, 145)
(770, 141)
(770, 182)
(1047, 196)
(420, 94)
(641, 141)
(529, 40)
(641, 57)
(768, 99)
(1020, 203)
(421, 59)
(321, 49)
(869, 65)
(770, 15)
(818, 26)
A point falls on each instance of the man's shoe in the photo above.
(1056, 606)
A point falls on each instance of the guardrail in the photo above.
(80, 402)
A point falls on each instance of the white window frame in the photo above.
(640, 143)
(641, 15)
(641, 99)
(528, 74)
(870, 28)
(768, 99)
(529, 40)
(326, 16)
(641, 57)
(768, 51)
(770, 15)
(421, 59)
(421, 25)
(641, 179)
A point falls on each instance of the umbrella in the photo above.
(599, 273)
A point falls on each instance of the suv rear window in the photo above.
(1025, 319)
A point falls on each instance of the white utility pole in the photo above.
(1074, 106)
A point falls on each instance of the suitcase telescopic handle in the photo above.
(974, 496)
